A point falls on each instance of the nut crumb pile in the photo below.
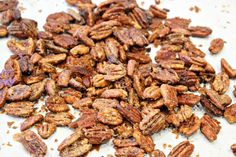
(96, 59)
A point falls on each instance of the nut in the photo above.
(216, 45)
(60, 119)
(20, 109)
(221, 83)
(230, 113)
(46, 130)
(169, 95)
(109, 116)
(184, 149)
(29, 122)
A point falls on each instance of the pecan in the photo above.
(19, 46)
(19, 92)
(29, 122)
(109, 116)
(131, 67)
(169, 95)
(51, 87)
(32, 143)
(114, 72)
(101, 103)
(233, 148)
(152, 92)
(166, 75)
(210, 127)
(37, 90)
(83, 103)
(59, 17)
(234, 92)
(141, 17)
(79, 50)
(65, 41)
(10, 15)
(8, 4)
(210, 107)
(221, 83)
(153, 122)
(144, 141)
(216, 45)
(76, 15)
(46, 130)
(187, 78)
(190, 126)
(56, 104)
(51, 47)
(60, 119)
(86, 10)
(82, 33)
(53, 59)
(125, 130)
(98, 52)
(70, 95)
(114, 93)
(157, 153)
(99, 81)
(183, 149)
(226, 67)
(182, 115)
(98, 134)
(129, 152)
(64, 78)
(125, 142)
(230, 114)
(129, 112)
(200, 31)
(20, 109)
(178, 23)
(140, 57)
(3, 96)
(172, 64)
(188, 99)
(138, 84)
(23, 28)
(3, 31)
(158, 12)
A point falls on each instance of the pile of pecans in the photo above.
(97, 61)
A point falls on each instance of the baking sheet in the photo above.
(217, 14)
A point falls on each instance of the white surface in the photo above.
(217, 14)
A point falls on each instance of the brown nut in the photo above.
(125, 142)
(3, 97)
(60, 119)
(19, 92)
(21, 46)
(46, 130)
(37, 90)
(188, 99)
(129, 152)
(200, 31)
(29, 122)
(83, 103)
(51, 87)
(56, 104)
(183, 149)
(221, 83)
(64, 40)
(101, 103)
(79, 50)
(109, 116)
(152, 92)
(64, 78)
(157, 153)
(70, 95)
(216, 45)
(114, 93)
(233, 148)
(3, 31)
(169, 95)
(190, 126)
(20, 109)
(125, 130)
(227, 68)
(230, 113)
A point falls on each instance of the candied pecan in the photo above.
(8, 4)
(169, 95)
(221, 83)
(56, 27)
(114, 93)
(76, 16)
(129, 112)
(166, 75)
(101, 103)
(190, 126)
(20, 109)
(51, 87)
(129, 152)
(31, 121)
(140, 57)
(109, 116)
(125, 142)
(76, 84)
(157, 153)
(53, 59)
(51, 47)
(3, 31)
(141, 17)
(98, 80)
(86, 11)
(98, 52)
(56, 103)
(178, 23)
(138, 83)
(188, 99)
(131, 67)
(183, 149)
(79, 50)
(60, 119)
(144, 141)
(172, 64)
(82, 33)
(23, 28)
(216, 45)
(83, 103)
(70, 95)
(46, 130)
(32, 143)
(64, 78)
(98, 134)
(233, 148)
(226, 67)
(112, 50)
(10, 15)
(152, 92)
(3, 96)
(156, 12)
(182, 115)
(125, 130)
(59, 17)
(210, 107)
(45, 35)
(210, 127)
(18, 92)
(230, 113)
(200, 31)
(187, 78)
(152, 122)
(64, 40)
(37, 90)
(19, 46)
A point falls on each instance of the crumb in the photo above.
(9, 124)
(157, 1)
(21, 8)
(51, 148)
(7, 132)
(56, 140)
(3, 144)
(14, 127)
(195, 9)
(40, 10)
(169, 146)
(9, 144)
(164, 145)
(142, 3)
(200, 45)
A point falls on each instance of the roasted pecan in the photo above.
(226, 67)
(8, 4)
(230, 114)
(183, 149)
(157, 153)
(190, 126)
(23, 28)
(56, 104)
(70, 95)
(152, 122)
(19, 92)
(129, 152)
(131, 67)
(210, 107)
(82, 33)
(109, 116)
(98, 52)
(99, 81)
(79, 50)
(31, 121)
(3, 31)
(53, 59)
(21, 46)
(125, 142)
(64, 40)
(114, 93)
(83, 103)
(152, 92)
(51, 47)
(166, 75)
(3, 96)
(101, 103)
(46, 130)
(98, 134)
(178, 23)
(37, 90)
(10, 15)
(114, 72)
(60, 119)
(56, 27)
(210, 127)
(169, 95)
(200, 31)
(59, 17)
(140, 57)
(20, 109)
(129, 112)
(141, 17)
(158, 12)
(64, 78)
(188, 99)
(233, 148)
(51, 87)
(32, 143)
(216, 45)
(221, 83)
(125, 130)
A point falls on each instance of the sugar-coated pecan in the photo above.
(53, 59)
(51, 87)
(152, 92)
(3, 96)
(153, 121)
(20, 109)
(98, 134)
(64, 78)
(60, 17)
(129, 112)
(200, 31)
(114, 93)
(183, 149)
(101, 103)
(98, 52)
(125, 130)
(3, 31)
(131, 67)
(50, 46)
(64, 40)
(21, 46)
(56, 27)
(227, 68)
(8, 4)
(79, 50)
(82, 33)
(188, 99)
(70, 95)
(31, 121)
(216, 45)
(166, 75)
(210, 127)
(233, 148)
(114, 72)
(190, 126)
(210, 107)
(178, 23)
(32, 143)
(221, 83)
(56, 104)
(158, 12)
(169, 95)
(109, 116)
(130, 142)
(83, 103)
(18, 92)
(157, 153)
(46, 130)
(99, 81)
(60, 119)
(230, 113)
(37, 90)
(129, 152)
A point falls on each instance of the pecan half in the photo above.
(109, 116)
(3, 31)
(32, 143)
(190, 126)
(56, 104)
(183, 149)
(22, 46)
(31, 121)
(114, 93)
(19, 92)
(64, 40)
(166, 75)
(114, 72)
(60, 119)
(20, 109)
(83, 103)
(152, 92)
(158, 12)
(70, 95)
(3, 97)
(64, 78)
(129, 152)
(9, 4)
(200, 31)
(230, 113)
(37, 90)
(216, 45)
(125, 130)
(169, 95)
(46, 130)
(227, 68)
(188, 99)
(210, 127)
(101, 103)
(221, 83)
(125, 142)
(233, 148)
(157, 153)
(51, 87)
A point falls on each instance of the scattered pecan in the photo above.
(60, 119)
(53, 59)
(169, 95)
(129, 151)
(64, 78)
(200, 31)
(83, 103)
(166, 75)
(157, 153)
(210, 127)
(114, 72)
(79, 50)
(216, 45)
(65, 41)
(32, 143)
(184, 149)
(230, 113)
(18, 46)
(70, 95)
(18, 92)
(20, 109)
(46, 130)
(51, 87)
(109, 116)
(158, 12)
(31, 121)
(56, 104)
(114, 93)
(10, 15)
(8, 4)
(190, 126)
(125, 130)
(152, 92)
(226, 67)
(221, 83)
(37, 90)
